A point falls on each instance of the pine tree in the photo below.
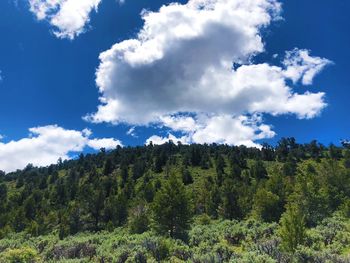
(172, 209)
(258, 170)
(229, 208)
(266, 206)
(108, 168)
(138, 220)
(186, 177)
(347, 159)
(292, 228)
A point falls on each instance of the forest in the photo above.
(182, 203)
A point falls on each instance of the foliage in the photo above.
(172, 209)
(182, 203)
(20, 255)
(292, 230)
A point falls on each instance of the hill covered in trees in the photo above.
(182, 203)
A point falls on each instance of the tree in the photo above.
(292, 229)
(115, 210)
(75, 224)
(172, 209)
(229, 207)
(213, 202)
(267, 152)
(258, 170)
(124, 174)
(108, 168)
(266, 206)
(139, 221)
(186, 177)
(148, 192)
(314, 149)
(3, 193)
(335, 152)
(160, 161)
(138, 169)
(220, 165)
(290, 166)
(347, 159)
(29, 208)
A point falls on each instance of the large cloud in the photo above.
(182, 63)
(46, 144)
(68, 17)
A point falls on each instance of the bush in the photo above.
(20, 255)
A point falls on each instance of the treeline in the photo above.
(164, 187)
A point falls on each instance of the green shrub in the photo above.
(20, 255)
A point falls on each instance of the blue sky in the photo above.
(47, 79)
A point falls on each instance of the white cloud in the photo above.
(180, 64)
(157, 140)
(46, 144)
(179, 123)
(107, 143)
(132, 132)
(301, 66)
(223, 129)
(68, 17)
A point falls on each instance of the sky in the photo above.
(76, 76)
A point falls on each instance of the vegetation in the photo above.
(182, 203)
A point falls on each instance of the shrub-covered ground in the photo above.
(208, 241)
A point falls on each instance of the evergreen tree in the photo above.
(335, 152)
(213, 202)
(266, 206)
(138, 220)
(186, 177)
(290, 166)
(258, 170)
(172, 209)
(124, 174)
(229, 208)
(292, 228)
(3, 193)
(108, 167)
(347, 159)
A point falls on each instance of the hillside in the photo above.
(181, 203)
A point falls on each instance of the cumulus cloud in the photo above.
(68, 17)
(223, 129)
(45, 145)
(180, 64)
(157, 140)
(301, 66)
(107, 143)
